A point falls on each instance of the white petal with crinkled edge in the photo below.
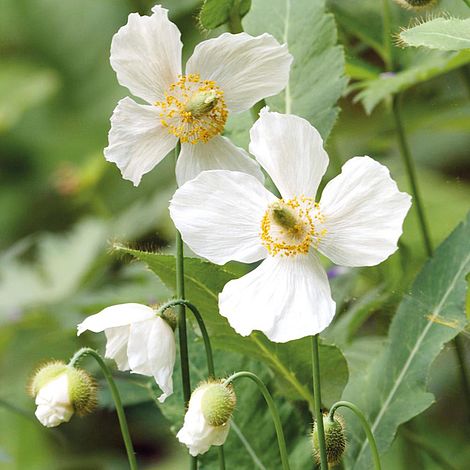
(197, 434)
(291, 151)
(146, 54)
(219, 215)
(217, 154)
(162, 354)
(116, 345)
(138, 347)
(246, 68)
(364, 213)
(116, 315)
(137, 140)
(286, 298)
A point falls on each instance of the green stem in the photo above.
(116, 397)
(317, 398)
(202, 327)
(272, 408)
(365, 425)
(387, 32)
(235, 22)
(460, 351)
(181, 311)
(411, 171)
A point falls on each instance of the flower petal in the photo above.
(217, 154)
(219, 215)
(291, 151)
(137, 140)
(116, 345)
(116, 315)
(162, 354)
(364, 213)
(246, 68)
(286, 298)
(137, 347)
(146, 54)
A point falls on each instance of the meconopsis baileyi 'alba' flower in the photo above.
(207, 420)
(226, 74)
(60, 391)
(224, 215)
(138, 340)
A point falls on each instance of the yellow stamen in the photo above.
(194, 110)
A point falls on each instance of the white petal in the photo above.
(137, 348)
(219, 215)
(291, 151)
(146, 54)
(116, 315)
(137, 140)
(364, 213)
(116, 345)
(162, 354)
(217, 154)
(246, 68)
(286, 298)
(196, 433)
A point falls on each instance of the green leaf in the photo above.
(317, 77)
(290, 361)
(389, 84)
(393, 389)
(215, 13)
(445, 34)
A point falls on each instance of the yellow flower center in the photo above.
(194, 110)
(290, 227)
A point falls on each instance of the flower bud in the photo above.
(218, 403)
(416, 4)
(60, 391)
(334, 439)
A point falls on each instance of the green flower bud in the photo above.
(217, 403)
(416, 4)
(334, 439)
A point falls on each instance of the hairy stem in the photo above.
(365, 425)
(272, 408)
(317, 398)
(116, 398)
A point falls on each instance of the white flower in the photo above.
(226, 74)
(225, 216)
(197, 434)
(138, 340)
(54, 403)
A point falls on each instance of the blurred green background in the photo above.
(61, 204)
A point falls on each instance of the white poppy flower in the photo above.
(226, 74)
(225, 216)
(138, 340)
(197, 434)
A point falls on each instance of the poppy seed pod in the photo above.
(334, 439)
(218, 403)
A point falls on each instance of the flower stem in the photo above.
(235, 22)
(272, 408)
(202, 327)
(181, 311)
(317, 398)
(365, 425)
(411, 171)
(116, 397)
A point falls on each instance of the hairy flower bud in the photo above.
(218, 403)
(416, 4)
(334, 439)
(60, 391)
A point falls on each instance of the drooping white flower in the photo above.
(60, 391)
(138, 340)
(225, 216)
(209, 403)
(226, 74)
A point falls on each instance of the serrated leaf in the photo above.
(445, 34)
(393, 389)
(375, 91)
(290, 361)
(317, 77)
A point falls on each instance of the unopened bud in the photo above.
(416, 4)
(334, 439)
(218, 403)
(169, 315)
